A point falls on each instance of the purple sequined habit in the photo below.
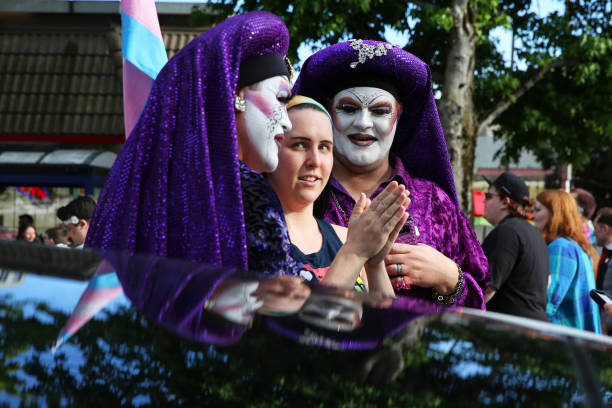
(421, 158)
(175, 188)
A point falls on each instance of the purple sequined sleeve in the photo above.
(172, 293)
(459, 242)
(443, 226)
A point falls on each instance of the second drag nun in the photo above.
(386, 127)
(212, 122)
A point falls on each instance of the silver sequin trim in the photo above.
(368, 51)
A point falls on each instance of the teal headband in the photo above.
(297, 100)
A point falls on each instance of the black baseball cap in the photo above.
(513, 186)
(81, 207)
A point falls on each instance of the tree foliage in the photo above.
(567, 113)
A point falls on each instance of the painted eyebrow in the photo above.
(349, 100)
(381, 104)
(354, 96)
(381, 95)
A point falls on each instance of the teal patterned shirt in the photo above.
(572, 278)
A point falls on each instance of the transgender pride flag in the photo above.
(102, 288)
(144, 55)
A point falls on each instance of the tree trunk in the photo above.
(457, 106)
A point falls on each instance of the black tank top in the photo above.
(313, 267)
(318, 263)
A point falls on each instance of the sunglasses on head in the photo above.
(72, 220)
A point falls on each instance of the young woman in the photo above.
(305, 161)
(27, 232)
(571, 259)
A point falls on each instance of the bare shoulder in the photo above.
(340, 231)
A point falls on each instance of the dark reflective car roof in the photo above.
(459, 357)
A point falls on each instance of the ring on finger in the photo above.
(399, 269)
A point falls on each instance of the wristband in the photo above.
(450, 299)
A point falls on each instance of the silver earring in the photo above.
(239, 104)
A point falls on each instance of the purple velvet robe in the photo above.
(441, 225)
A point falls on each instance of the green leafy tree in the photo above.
(551, 98)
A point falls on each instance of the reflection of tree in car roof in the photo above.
(475, 363)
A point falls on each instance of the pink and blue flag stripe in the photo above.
(102, 288)
(144, 55)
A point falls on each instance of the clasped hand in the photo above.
(374, 225)
(423, 266)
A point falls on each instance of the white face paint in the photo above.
(266, 120)
(365, 120)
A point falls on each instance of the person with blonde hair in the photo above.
(326, 252)
(572, 259)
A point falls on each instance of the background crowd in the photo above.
(74, 219)
(547, 270)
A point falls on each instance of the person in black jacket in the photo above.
(603, 234)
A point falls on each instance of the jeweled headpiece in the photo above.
(368, 51)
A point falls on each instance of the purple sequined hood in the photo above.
(174, 189)
(419, 139)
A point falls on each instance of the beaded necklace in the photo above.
(339, 207)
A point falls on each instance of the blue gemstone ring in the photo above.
(399, 269)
